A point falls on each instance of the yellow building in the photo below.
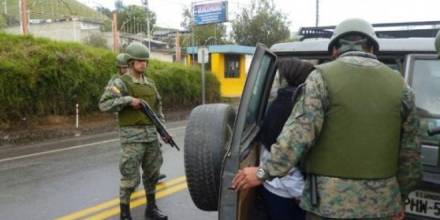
(229, 63)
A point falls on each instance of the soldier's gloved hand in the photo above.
(136, 103)
(166, 139)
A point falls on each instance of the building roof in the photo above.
(227, 48)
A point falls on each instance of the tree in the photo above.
(105, 11)
(119, 5)
(262, 22)
(217, 32)
(96, 40)
(133, 19)
(107, 25)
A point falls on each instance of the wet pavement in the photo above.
(81, 181)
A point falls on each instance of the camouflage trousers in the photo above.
(311, 216)
(146, 155)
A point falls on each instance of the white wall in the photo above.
(162, 56)
(63, 31)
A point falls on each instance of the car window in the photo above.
(257, 92)
(280, 82)
(426, 84)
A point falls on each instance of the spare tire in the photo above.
(207, 133)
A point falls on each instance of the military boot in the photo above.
(125, 212)
(152, 212)
(161, 177)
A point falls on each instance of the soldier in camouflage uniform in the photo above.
(121, 63)
(139, 143)
(354, 129)
(122, 67)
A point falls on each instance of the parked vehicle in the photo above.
(220, 140)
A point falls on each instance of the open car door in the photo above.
(422, 72)
(241, 152)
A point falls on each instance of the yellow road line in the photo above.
(141, 201)
(115, 202)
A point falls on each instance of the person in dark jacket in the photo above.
(280, 195)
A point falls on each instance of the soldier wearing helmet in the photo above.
(121, 63)
(354, 129)
(139, 143)
(121, 66)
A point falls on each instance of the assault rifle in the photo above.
(146, 109)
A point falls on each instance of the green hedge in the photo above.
(39, 77)
(181, 85)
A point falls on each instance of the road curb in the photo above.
(16, 151)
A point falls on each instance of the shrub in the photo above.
(181, 84)
(39, 77)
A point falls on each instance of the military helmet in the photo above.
(137, 51)
(437, 42)
(121, 60)
(354, 25)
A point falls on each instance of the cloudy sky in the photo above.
(302, 12)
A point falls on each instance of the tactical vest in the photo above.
(129, 116)
(360, 137)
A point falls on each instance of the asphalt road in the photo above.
(80, 181)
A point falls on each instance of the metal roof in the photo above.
(386, 45)
(227, 48)
(141, 38)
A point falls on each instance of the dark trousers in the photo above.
(279, 208)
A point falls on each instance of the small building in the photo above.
(229, 63)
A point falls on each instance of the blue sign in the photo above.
(213, 12)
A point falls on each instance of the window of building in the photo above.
(232, 66)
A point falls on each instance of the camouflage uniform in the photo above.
(139, 144)
(346, 198)
(121, 62)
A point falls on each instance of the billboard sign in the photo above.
(210, 12)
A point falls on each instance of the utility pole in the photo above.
(24, 21)
(115, 32)
(317, 13)
(147, 14)
(178, 50)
